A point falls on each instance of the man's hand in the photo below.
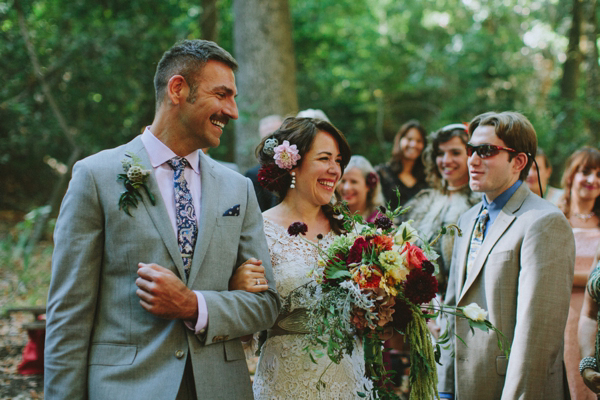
(591, 379)
(250, 276)
(163, 294)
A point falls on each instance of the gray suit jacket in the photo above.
(100, 342)
(522, 276)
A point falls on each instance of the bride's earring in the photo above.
(293, 184)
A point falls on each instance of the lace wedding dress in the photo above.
(285, 370)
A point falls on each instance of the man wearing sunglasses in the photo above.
(515, 259)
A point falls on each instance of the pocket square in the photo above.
(233, 211)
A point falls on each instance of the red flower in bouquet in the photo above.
(414, 256)
(420, 287)
(384, 243)
(383, 222)
(402, 315)
(368, 277)
(355, 255)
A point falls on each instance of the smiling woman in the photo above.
(324, 153)
(302, 162)
(405, 170)
(360, 188)
(450, 196)
(581, 205)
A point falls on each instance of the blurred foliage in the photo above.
(24, 277)
(440, 61)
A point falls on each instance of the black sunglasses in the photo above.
(487, 150)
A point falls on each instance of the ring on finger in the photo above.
(257, 281)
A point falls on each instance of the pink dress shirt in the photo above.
(159, 154)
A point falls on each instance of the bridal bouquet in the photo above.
(374, 279)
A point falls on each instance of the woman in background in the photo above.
(581, 205)
(361, 189)
(405, 171)
(449, 197)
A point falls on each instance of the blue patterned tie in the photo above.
(477, 238)
(185, 215)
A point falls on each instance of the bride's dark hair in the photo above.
(302, 133)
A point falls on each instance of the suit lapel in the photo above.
(500, 225)
(158, 212)
(208, 213)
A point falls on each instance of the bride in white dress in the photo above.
(306, 185)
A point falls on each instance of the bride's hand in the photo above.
(250, 276)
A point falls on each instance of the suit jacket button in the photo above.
(179, 353)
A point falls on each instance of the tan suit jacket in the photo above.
(522, 276)
(100, 342)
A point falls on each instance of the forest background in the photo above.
(77, 78)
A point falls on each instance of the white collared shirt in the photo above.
(159, 154)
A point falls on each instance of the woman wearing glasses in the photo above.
(581, 205)
(405, 171)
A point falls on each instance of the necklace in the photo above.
(584, 217)
(455, 188)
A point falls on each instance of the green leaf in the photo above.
(478, 324)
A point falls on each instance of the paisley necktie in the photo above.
(185, 215)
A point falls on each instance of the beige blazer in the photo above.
(100, 343)
(522, 276)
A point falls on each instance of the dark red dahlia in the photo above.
(402, 315)
(420, 287)
(383, 222)
(271, 177)
(355, 255)
(297, 228)
(428, 267)
(372, 180)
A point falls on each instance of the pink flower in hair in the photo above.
(286, 155)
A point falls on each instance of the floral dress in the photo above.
(285, 370)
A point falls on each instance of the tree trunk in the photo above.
(568, 84)
(209, 20)
(590, 30)
(266, 79)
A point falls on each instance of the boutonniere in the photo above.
(133, 179)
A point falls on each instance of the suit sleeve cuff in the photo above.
(202, 321)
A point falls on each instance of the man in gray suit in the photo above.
(139, 306)
(519, 268)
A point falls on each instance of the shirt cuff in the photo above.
(447, 396)
(202, 321)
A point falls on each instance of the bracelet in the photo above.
(588, 362)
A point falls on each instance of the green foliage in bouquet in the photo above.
(374, 280)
